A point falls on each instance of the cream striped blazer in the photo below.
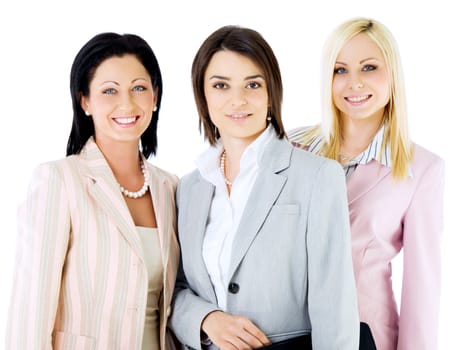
(80, 279)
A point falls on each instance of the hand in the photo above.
(230, 332)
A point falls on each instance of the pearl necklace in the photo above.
(222, 168)
(142, 191)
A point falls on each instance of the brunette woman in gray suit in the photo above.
(263, 226)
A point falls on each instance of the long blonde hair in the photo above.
(395, 115)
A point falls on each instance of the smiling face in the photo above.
(361, 83)
(236, 93)
(121, 100)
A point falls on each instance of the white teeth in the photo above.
(125, 120)
(357, 98)
(243, 115)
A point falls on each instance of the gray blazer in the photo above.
(291, 268)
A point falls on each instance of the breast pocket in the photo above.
(286, 208)
(283, 219)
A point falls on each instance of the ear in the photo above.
(83, 101)
(155, 95)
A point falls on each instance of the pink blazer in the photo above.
(81, 280)
(387, 216)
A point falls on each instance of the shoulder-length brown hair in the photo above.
(251, 44)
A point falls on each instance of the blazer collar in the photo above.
(364, 178)
(104, 189)
(269, 183)
(163, 201)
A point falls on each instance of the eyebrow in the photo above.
(368, 59)
(362, 61)
(116, 83)
(110, 82)
(140, 78)
(246, 78)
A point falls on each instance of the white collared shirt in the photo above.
(226, 211)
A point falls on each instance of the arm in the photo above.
(332, 297)
(421, 286)
(189, 309)
(194, 310)
(230, 332)
(194, 319)
(44, 228)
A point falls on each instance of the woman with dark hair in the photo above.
(263, 226)
(97, 250)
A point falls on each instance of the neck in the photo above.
(232, 153)
(123, 158)
(125, 162)
(357, 135)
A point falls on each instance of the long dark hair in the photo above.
(90, 56)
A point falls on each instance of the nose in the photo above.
(126, 103)
(356, 82)
(359, 85)
(238, 98)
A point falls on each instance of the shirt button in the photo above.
(233, 288)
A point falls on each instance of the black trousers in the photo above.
(304, 342)
(298, 343)
(366, 338)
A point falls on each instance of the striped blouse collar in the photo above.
(373, 151)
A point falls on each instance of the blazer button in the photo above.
(233, 288)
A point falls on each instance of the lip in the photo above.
(358, 100)
(239, 116)
(126, 122)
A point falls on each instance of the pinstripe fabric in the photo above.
(80, 279)
(372, 152)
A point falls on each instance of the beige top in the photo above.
(151, 247)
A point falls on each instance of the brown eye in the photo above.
(220, 86)
(253, 85)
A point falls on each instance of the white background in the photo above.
(39, 40)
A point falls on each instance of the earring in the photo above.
(87, 113)
(155, 108)
(269, 112)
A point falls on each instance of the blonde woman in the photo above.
(394, 186)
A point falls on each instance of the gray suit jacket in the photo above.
(291, 268)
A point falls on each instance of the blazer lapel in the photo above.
(264, 193)
(163, 198)
(162, 203)
(364, 178)
(200, 196)
(104, 189)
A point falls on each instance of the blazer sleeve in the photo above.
(421, 285)
(332, 297)
(188, 313)
(42, 241)
(189, 310)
